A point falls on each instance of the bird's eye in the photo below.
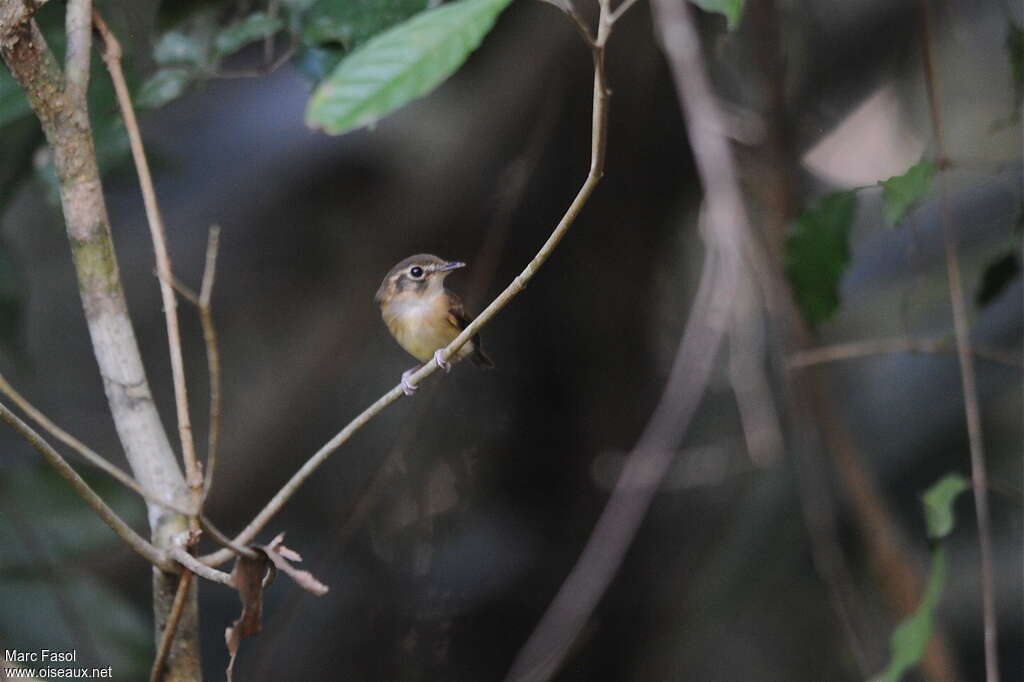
(416, 272)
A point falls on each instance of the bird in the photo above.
(424, 316)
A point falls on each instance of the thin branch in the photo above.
(622, 9)
(109, 516)
(90, 455)
(78, 56)
(173, 618)
(224, 540)
(107, 467)
(112, 58)
(870, 347)
(270, 68)
(202, 303)
(193, 564)
(972, 412)
(599, 133)
(212, 357)
(726, 231)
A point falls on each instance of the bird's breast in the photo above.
(421, 324)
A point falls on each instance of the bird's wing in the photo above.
(457, 315)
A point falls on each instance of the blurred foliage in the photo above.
(901, 193)
(910, 637)
(731, 9)
(817, 252)
(400, 65)
(51, 600)
(996, 276)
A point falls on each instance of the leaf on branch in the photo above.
(910, 637)
(248, 577)
(817, 252)
(353, 22)
(997, 276)
(400, 65)
(162, 87)
(938, 504)
(256, 26)
(732, 10)
(280, 555)
(901, 193)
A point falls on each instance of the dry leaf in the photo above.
(248, 577)
(280, 555)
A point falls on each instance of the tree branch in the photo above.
(109, 516)
(65, 123)
(112, 58)
(163, 649)
(645, 468)
(90, 455)
(972, 412)
(854, 350)
(599, 132)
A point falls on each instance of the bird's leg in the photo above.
(407, 386)
(446, 366)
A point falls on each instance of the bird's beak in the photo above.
(454, 265)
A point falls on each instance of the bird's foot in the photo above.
(446, 366)
(407, 386)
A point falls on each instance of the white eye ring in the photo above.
(416, 272)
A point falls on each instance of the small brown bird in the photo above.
(423, 316)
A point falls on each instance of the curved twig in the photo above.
(109, 516)
(597, 157)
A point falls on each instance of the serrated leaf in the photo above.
(400, 65)
(256, 26)
(997, 275)
(732, 10)
(178, 47)
(901, 193)
(353, 22)
(162, 87)
(938, 504)
(817, 252)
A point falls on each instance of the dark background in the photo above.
(445, 527)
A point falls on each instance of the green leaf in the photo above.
(910, 637)
(901, 192)
(938, 504)
(400, 65)
(817, 252)
(178, 47)
(353, 22)
(256, 26)
(162, 87)
(731, 9)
